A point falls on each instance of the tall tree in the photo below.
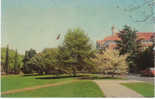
(77, 51)
(129, 43)
(7, 60)
(16, 62)
(11, 58)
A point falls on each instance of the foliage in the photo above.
(111, 62)
(16, 65)
(130, 44)
(51, 61)
(76, 51)
(11, 59)
(45, 61)
(28, 55)
(6, 65)
(145, 59)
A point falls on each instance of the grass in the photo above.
(11, 82)
(77, 89)
(83, 88)
(17, 81)
(145, 89)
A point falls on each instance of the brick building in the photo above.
(109, 42)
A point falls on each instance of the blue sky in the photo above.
(36, 23)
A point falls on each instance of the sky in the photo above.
(36, 23)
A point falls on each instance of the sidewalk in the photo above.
(112, 88)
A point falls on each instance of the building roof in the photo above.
(145, 35)
(141, 35)
(112, 38)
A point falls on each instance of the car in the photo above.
(148, 72)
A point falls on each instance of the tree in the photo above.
(138, 11)
(51, 61)
(77, 51)
(6, 68)
(11, 58)
(129, 44)
(36, 64)
(16, 64)
(145, 59)
(45, 61)
(111, 62)
(28, 55)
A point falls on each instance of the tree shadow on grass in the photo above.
(81, 77)
(58, 77)
(100, 78)
(27, 75)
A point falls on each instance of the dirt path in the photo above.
(37, 87)
(113, 88)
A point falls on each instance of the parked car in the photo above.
(148, 72)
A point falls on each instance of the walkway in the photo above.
(37, 87)
(138, 77)
(112, 88)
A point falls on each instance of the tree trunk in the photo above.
(46, 73)
(74, 72)
(112, 75)
(40, 73)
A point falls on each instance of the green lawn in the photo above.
(145, 89)
(76, 89)
(82, 88)
(17, 81)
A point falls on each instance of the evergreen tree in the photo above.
(129, 44)
(76, 52)
(16, 62)
(145, 59)
(11, 58)
(6, 68)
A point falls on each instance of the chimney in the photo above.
(113, 30)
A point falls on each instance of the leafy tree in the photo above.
(45, 61)
(77, 51)
(36, 63)
(129, 44)
(28, 55)
(50, 60)
(111, 62)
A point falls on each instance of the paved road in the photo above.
(112, 88)
(139, 78)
